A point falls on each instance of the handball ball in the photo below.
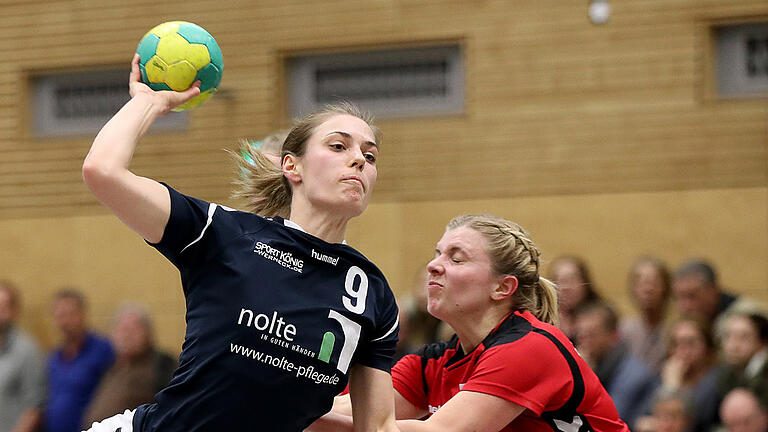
(175, 54)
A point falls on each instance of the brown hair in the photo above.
(590, 293)
(660, 268)
(512, 252)
(71, 294)
(262, 184)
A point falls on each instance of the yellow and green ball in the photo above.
(175, 54)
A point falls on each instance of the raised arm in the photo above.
(141, 203)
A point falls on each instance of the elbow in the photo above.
(93, 173)
(98, 176)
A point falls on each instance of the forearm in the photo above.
(372, 401)
(113, 148)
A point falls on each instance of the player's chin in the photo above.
(433, 307)
(354, 203)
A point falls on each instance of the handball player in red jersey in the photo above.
(508, 368)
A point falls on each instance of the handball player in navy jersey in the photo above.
(281, 313)
(508, 368)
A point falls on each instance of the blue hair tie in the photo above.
(256, 145)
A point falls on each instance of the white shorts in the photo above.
(117, 423)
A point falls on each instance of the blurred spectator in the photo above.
(417, 326)
(22, 369)
(672, 411)
(745, 351)
(691, 366)
(575, 289)
(140, 370)
(742, 411)
(628, 380)
(76, 366)
(697, 292)
(649, 288)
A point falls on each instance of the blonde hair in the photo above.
(512, 252)
(260, 181)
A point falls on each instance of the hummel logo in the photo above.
(325, 258)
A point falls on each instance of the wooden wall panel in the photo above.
(551, 98)
(566, 123)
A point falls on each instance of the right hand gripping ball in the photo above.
(175, 54)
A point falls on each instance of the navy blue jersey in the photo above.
(275, 319)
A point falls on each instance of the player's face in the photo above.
(460, 276)
(338, 170)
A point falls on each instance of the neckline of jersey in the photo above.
(294, 225)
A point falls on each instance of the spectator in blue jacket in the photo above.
(628, 380)
(76, 366)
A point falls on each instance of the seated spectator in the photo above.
(745, 351)
(22, 369)
(698, 293)
(649, 288)
(691, 367)
(575, 289)
(140, 370)
(76, 366)
(742, 411)
(628, 380)
(672, 411)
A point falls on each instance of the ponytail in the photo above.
(547, 309)
(261, 183)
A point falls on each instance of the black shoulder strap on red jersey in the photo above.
(566, 418)
(433, 352)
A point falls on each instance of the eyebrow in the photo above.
(348, 136)
(453, 249)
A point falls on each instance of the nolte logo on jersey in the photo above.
(285, 259)
(277, 331)
(325, 258)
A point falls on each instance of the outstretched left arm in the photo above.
(466, 412)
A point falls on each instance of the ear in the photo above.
(505, 288)
(292, 168)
